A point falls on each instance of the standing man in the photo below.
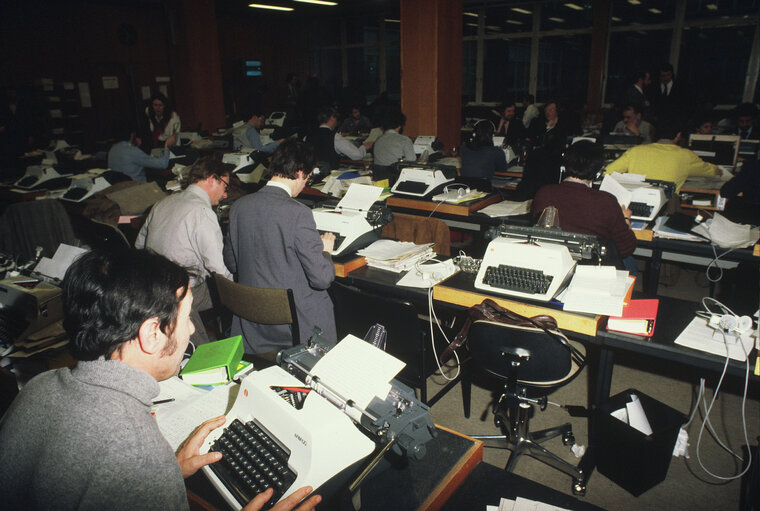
(84, 438)
(184, 228)
(274, 243)
(127, 157)
(329, 145)
(248, 135)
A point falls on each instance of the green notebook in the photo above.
(214, 363)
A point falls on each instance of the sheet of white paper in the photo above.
(621, 193)
(628, 178)
(506, 504)
(637, 418)
(507, 208)
(523, 504)
(699, 336)
(341, 371)
(428, 275)
(360, 197)
(62, 259)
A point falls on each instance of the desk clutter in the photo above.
(396, 256)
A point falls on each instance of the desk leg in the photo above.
(601, 364)
(653, 275)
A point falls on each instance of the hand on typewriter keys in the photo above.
(190, 461)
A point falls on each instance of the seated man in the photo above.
(329, 145)
(356, 123)
(274, 243)
(583, 209)
(84, 438)
(392, 147)
(633, 125)
(743, 192)
(127, 157)
(248, 135)
(664, 161)
(184, 228)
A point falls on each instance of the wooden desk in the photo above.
(459, 290)
(703, 189)
(464, 209)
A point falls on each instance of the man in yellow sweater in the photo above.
(664, 161)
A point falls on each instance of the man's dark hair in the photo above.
(205, 167)
(506, 104)
(482, 135)
(746, 110)
(666, 67)
(583, 159)
(639, 75)
(325, 113)
(394, 119)
(636, 109)
(290, 157)
(107, 296)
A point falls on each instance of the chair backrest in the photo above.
(419, 229)
(547, 361)
(260, 305)
(25, 225)
(356, 311)
(99, 235)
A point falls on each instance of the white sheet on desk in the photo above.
(388, 250)
(428, 275)
(727, 234)
(597, 290)
(697, 335)
(507, 208)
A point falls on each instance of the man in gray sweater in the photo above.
(84, 438)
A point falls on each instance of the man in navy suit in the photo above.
(274, 243)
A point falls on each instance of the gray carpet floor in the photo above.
(687, 485)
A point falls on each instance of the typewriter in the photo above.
(295, 425)
(533, 262)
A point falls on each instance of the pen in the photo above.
(162, 401)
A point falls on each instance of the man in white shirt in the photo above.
(184, 228)
(329, 145)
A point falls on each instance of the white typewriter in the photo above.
(39, 177)
(645, 198)
(418, 181)
(315, 421)
(84, 187)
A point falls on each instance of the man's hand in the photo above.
(368, 145)
(189, 457)
(633, 126)
(172, 140)
(626, 213)
(328, 242)
(287, 503)
(718, 171)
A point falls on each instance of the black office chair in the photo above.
(526, 359)
(356, 311)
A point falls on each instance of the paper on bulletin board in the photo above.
(110, 82)
(145, 92)
(164, 90)
(84, 95)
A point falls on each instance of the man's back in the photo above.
(391, 147)
(74, 434)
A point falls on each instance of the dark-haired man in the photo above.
(127, 157)
(84, 438)
(274, 243)
(184, 228)
(329, 145)
(583, 209)
(633, 125)
(392, 146)
(248, 134)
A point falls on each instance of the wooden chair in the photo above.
(420, 229)
(258, 304)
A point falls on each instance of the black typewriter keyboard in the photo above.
(338, 239)
(27, 181)
(640, 209)
(252, 461)
(519, 279)
(412, 187)
(75, 193)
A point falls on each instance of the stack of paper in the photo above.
(396, 256)
(598, 290)
(507, 208)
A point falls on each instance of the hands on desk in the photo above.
(328, 241)
(190, 461)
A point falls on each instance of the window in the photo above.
(637, 12)
(509, 20)
(566, 15)
(469, 64)
(563, 68)
(632, 51)
(506, 68)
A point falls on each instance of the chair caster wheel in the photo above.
(568, 438)
(579, 488)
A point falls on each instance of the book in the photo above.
(638, 317)
(214, 363)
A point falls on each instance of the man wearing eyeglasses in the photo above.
(184, 228)
(633, 125)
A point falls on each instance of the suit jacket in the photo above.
(273, 242)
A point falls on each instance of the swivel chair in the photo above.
(526, 359)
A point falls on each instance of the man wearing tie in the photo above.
(745, 121)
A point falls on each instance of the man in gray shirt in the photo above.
(84, 438)
(392, 146)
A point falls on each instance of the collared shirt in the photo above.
(280, 185)
(346, 147)
(248, 136)
(391, 147)
(130, 160)
(172, 127)
(184, 228)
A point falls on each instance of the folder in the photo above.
(214, 363)
(638, 317)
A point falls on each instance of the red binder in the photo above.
(639, 317)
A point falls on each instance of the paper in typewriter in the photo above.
(357, 370)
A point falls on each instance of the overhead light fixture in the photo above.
(514, 22)
(271, 7)
(615, 18)
(558, 20)
(473, 14)
(318, 2)
(634, 2)
(390, 20)
(521, 10)
(493, 27)
(472, 25)
(574, 7)
(655, 10)
(711, 7)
